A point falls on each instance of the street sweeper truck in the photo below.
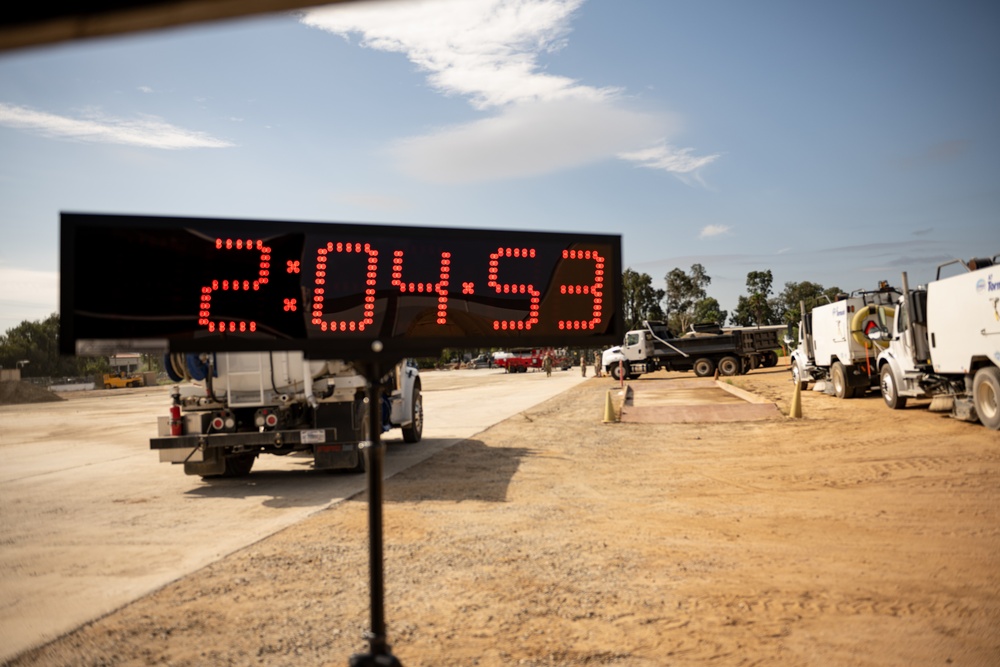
(944, 344)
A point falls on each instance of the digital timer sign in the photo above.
(331, 290)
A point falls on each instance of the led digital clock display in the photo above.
(332, 290)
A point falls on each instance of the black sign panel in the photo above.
(332, 290)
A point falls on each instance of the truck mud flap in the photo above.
(336, 456)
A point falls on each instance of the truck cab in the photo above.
(943, 343)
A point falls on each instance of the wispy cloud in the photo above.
(709, 231)
(92, 126)
(664, 156)
(488, 52)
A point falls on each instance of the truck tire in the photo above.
(838, 374)
(986, 396)
(729, 366)
(797, 377)
(703, 367)
(619, 371)
(361, 422)
(890, 389)
(770, 359)
(415, 430)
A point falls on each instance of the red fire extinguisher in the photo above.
(176, 426)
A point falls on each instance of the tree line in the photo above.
(685, 301)
(34, 348)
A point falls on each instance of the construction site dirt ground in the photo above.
(856, 535)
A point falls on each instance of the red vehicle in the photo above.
(519, 360)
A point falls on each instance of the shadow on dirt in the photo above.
(468, 470)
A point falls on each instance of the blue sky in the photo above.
(840, 143)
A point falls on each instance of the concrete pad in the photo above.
(693, 401)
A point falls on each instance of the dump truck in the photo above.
(704, 349)
(835, 345)
(234, 407)
(943, 343)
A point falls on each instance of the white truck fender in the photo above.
(611, 356)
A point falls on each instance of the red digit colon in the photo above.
(235, 285)
(440, 287)
(510, 288)
(595, 290)
(322, 260)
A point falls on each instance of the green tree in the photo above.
(641, 299)
(684, 292)
(756, 308)
(37, 343)
(813, 294)
(707, 310)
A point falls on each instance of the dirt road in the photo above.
(91, 520)
(854, 536)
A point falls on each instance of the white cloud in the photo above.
(145, 89)
(488, 52)
(524, 140)
(26, 294)
(713, 230)
(146, 131)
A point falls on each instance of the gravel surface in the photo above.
(856, 535)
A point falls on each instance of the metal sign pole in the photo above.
(378, 654)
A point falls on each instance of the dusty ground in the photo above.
(854, 536)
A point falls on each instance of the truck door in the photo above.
(632, 348)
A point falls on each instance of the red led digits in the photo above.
(236, 285)
(440, 287)
(595, 290)
(511, 288)
(319, 290)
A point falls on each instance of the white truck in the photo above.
(707, 348)
(835, 344)
(946, 344)
(239, 405)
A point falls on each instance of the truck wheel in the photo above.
(986, 396)
(239, 465)
(839, 376)
(413, 432)
(619, 371)
(729, 366)
(770, 359)
(361, 422)
(890, 389)
(797, 377)
(704, 367)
